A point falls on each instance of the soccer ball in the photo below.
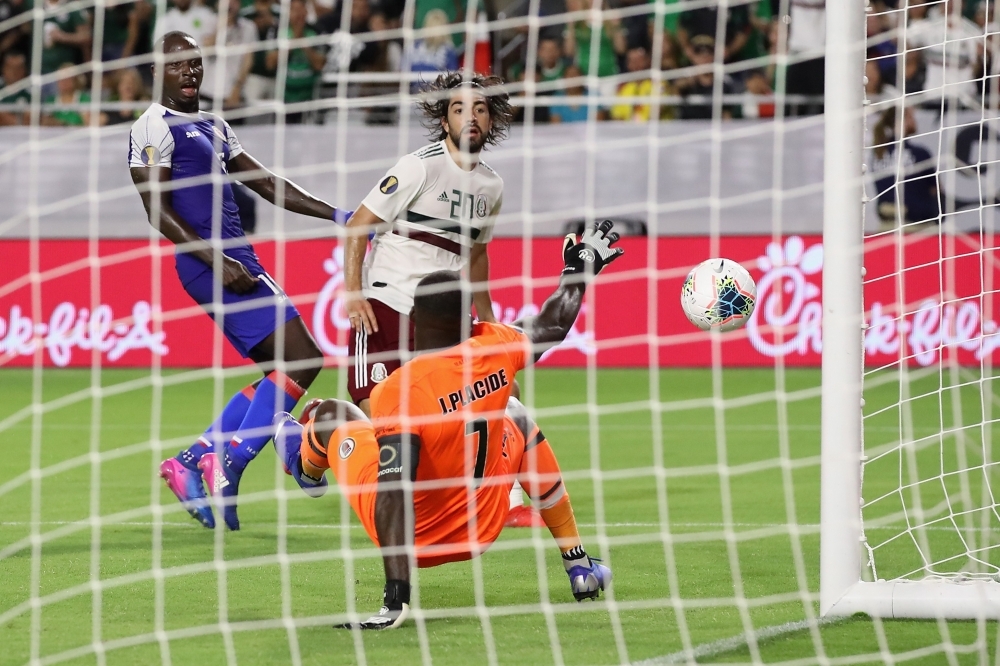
(718, 294)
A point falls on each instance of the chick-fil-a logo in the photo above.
(330, 314)
(931, 329)
(787, 301)
(330, 311)
(70, 328)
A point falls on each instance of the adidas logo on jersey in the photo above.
(443, 197)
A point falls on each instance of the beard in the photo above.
(474, 144)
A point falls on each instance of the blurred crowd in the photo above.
(936, 53)
(646, 59)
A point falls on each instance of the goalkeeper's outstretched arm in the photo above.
(583, 260)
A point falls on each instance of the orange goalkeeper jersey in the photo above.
(454, 401)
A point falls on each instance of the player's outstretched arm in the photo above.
(583, 260)
(258, 178)
(156, 200)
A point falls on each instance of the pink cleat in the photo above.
(187, 487)
(309, 410)
(524, 516)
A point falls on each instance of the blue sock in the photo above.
(221, 430)
(276, 393)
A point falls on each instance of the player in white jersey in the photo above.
(434, 210)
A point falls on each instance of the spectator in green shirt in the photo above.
(116, 19)
(577, 43)
(452, 8)
(125, 22)
(66, 37)
(70, 91)
(304, 63)
(260, 82)
(549, 61)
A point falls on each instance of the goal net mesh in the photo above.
(692, 459)
(929, 471)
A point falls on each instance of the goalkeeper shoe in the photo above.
(288, 443)
(386, 618)
(395, 608)
(223, 483)
(187, 486)
(589, 582)
(524, 516)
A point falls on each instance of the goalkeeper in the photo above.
(446, 422)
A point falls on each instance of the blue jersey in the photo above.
(909, 180)
(195, 146)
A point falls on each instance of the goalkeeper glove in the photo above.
(593, 252)
(395, 609)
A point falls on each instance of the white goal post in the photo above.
(843, 552)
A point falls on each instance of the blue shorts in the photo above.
(247, 319)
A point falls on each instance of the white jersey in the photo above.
(950, 47)
(198, 21)
(436, 211)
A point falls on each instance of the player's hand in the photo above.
(236, 277)
(593, 252)
(360, 313)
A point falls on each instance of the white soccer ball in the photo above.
(718, 294)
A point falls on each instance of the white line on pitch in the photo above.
(732, 643)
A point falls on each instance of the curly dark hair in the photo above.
(437, 94)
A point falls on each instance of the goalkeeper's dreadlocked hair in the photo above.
(436, 96)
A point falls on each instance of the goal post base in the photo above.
(926, 599)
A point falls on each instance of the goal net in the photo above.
(695, 461)
(927, 529)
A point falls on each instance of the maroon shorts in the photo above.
(372, 358)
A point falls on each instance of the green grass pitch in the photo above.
(727, 535)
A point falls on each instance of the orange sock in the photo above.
(313, 453)
(541, 478)
(562, 524)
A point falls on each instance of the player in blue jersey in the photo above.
(182, 161)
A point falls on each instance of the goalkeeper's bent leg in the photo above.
(313, 454)
(323, 422)
(541, 478)
(539, 475)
